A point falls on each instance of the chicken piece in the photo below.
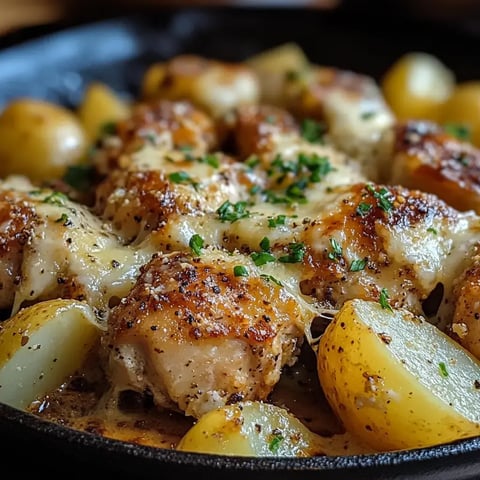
(17, 223)
(427, 158)
(161, 184)
(406, 243)
(203, 332)
(215, 86)
(163, 124)
(465, 326)
(358, 119)
(52, 247)
(255, 129)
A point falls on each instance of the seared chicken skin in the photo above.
(426, 157)
(202, 332)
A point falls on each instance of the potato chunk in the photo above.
(41, 346)
(260, 429)
(39, 139)
(395, 380)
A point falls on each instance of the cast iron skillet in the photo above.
(57, 67)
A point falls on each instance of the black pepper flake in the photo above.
(115, 263)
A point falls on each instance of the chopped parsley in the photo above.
(79, 176)
(336, 252)
(462, 132)
(196, 244)
(432, 230)
(265, 244)
(305, 170)
(64, 220)
(275, 442)
(252, 161)
(368, 114)
(312, 130)
(383, 300)
(56, 198)
(108, 128)
(271, 279)
(231, 212)
(295, 255)
(381, 195)
(358, 265)
(363, 208)
(254, 189)
(276, 221)
(210, 159)
(240, 271)
(443, 369)
(261, 258)
(181, 177)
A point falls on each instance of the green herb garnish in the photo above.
(312, 130)
(240, 271)
(336, 252)
(462, 132)
(261, 258)
(381, 195)
(271, 279)
(443, 369)
(79, 177)
(231, 212)
(196, 244)
(383, 300)
(358, 264)
(276, 221)
(275, 442)
(363, 208)
(295, 255)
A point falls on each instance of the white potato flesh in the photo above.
(41, 346)
(272, 67)
(260, 429)
(395, 380)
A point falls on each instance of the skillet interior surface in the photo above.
(58, 65)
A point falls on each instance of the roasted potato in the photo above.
(260, 430)
(41, 346)
(417, 86)
(395, 380)
(39, 139)
(275, 66)
(463, 108)
(100, 106)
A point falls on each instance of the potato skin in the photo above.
(39, 139)
(376, 396)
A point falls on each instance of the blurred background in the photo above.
(15, 14)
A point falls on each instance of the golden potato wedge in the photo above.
(259, 429)
(41, 346)
(100, 106)
(152, 80)
(39, 139)
(395, 380)
(417, 86)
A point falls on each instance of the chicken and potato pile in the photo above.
(235, 224)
